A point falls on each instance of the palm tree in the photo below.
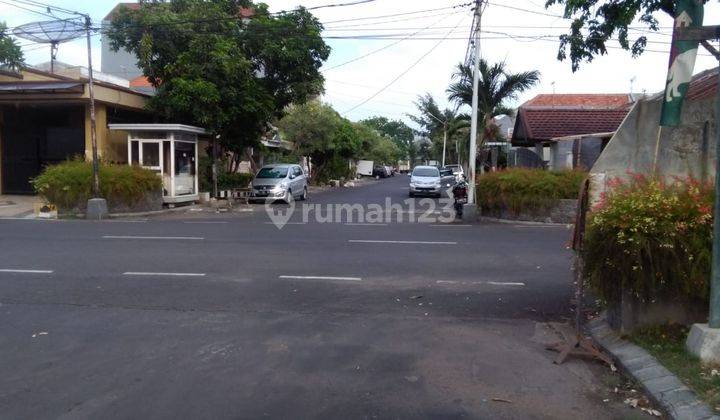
(496, 87)
(439, 125)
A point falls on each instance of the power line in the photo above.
(403, 73)
(400, 14)
(385, 47)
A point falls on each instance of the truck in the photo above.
(365, 167)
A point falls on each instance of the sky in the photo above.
(395, 71)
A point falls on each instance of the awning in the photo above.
(41, 87)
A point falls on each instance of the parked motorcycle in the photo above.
(460, 195)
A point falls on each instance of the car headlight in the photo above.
(280, 186)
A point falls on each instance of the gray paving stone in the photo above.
(637, 363)
(650, 372)
(628, 352)
(691, 412)
(679, 396)
(661, 385)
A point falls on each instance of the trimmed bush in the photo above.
(652, 238)
(526, 190)
(68, 185)
(229, 181)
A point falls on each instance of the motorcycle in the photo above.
(460, 195)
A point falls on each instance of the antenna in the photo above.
(53, 32)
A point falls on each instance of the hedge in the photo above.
(229, 181)
(652, 238)
(522, 189)
(69, 184)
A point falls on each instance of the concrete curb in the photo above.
(157, 212)
(678, 401)
(520, 222)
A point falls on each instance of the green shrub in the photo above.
(522, 189)
(651, 238)
(229, 181)
(69, 184)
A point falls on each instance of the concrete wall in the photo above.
(561, 155)
(117, 63)
(687, 150)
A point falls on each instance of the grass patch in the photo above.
(667, 344)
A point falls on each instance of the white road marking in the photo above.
(365, 224)
(368, 241)
(492, 283)
(321, 278)
(448, 224)
(502, 283)
(140, 273)
(206, 223)
(175, 238)
(12, 270)
(288, 223)
(126, 221)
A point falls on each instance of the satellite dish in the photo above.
(53, 32)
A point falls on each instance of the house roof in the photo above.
(549, 116)
(140, 81)
(580, 100)
(703, 85)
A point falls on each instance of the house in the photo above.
(569, 130)
(686, 150)
(45, 119)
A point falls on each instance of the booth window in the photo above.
(134, 153)
(151, 154)
(184, 158)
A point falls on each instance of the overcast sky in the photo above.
(508, 37)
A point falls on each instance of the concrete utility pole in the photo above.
(445, 135)
(96, 206)
(474, 115)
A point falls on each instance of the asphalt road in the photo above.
(227, 316)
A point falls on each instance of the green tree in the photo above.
(595, 22)
(496, 88)
(434, 123)
(11, 55)
(212, 68)
(400, 133)
(319, 132)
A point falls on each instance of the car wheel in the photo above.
(288, 196)
(304, 195)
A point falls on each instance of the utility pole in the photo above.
(96, 206)
(474, 115)
(445, 135)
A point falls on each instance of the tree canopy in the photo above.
(397, 131)
(215, 68)
(595, 22)
(11, 55)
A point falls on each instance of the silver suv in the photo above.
(279, 182)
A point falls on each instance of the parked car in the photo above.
(279, 182)
(425, 180)
(379, 171)
(447, 177)
(457, 171)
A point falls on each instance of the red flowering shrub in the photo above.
(651, 237)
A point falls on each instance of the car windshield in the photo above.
(274, 173)
(454, 168)
(429, 172)
(446, 171)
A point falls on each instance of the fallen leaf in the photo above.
(501, 400)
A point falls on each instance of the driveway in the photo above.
(228, 316)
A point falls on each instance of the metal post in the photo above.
(714, 319)
(93, 133)
(474, 117)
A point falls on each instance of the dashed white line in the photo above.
(170, 238)
(13, 270)
(369, 241)
(365, 224)
(492, 283)
(448, 224)
(140, 273)
(321, 278)
(207, 223)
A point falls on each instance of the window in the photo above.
(151, 154)
(297, 171)
(272, 173)
(426, 171)
(134, 153)
(184, 158)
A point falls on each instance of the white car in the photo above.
(425, 180)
